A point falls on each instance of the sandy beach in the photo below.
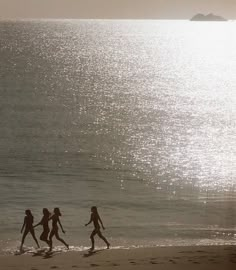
(198, 257)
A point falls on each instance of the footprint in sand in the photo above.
(201, 251)
(152, 262)
(94, 265)
(211, 260)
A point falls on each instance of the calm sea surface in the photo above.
(136, 117)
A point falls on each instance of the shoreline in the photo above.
(196, 257)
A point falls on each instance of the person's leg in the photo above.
(23, 238)
(104, 239)
(44, 237)
(50, 239)
(34, 237)
(60, 239)
(92, 239)
(41, 237)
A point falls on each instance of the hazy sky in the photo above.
(140, 9)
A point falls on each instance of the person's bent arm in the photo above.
(91, 219)
(101, 222)
(61, 226)
(23, 225)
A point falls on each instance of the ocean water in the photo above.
(136, 117)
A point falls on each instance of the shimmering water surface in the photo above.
(136, 117)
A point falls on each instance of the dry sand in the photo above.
(168, 258)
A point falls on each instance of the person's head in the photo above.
(46, 212)
(94, 209)
(28, 212)
(57, 211)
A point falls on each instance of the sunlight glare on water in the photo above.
(192, 103)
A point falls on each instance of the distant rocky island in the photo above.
(208, 17)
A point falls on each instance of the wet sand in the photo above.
(197, 257)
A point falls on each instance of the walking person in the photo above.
(44, 222)
(28, 228)
(55, 220)
(95, 218)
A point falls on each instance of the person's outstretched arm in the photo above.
(101, 222)
(91, 219)
(40, 223)
(23, 225)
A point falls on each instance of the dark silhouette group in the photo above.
(48, 235)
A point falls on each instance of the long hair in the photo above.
(28, 213)
(46, 213)
(57, 211)
(94, 210)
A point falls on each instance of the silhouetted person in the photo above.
(95, 218)
(55, 220)
(28, 226)
(44, 222)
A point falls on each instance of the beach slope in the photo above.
(198, 257)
